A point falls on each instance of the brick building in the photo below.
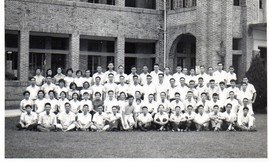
(84, 33)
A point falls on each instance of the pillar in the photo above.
(74, 51)
(23, 55)
(159, 52)
(48, 55)
(119, 51)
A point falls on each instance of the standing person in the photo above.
(97, 101)
(201, 119)
(183, 89)
(86, 88)
(234, 102)
(79, 80)
(28, 119)
(128, 115)
(250, 88)
(189, 116)
(144, 74)
(220, 74)
(215, 101)
(172, 89)
(69, 77)
(39, 103)
(163, 101)
(204, 102)
(53, 102)
(230, 76)
(120, 73)
(216, 118)
(48, 86)
(40, 79)
(246, 122)
(61, 87)
(110, 70)
(155, 73)
(192, 77)
(135, 86)
(87, 77)
(201, 87)
(233, 87)
(149, 87)
(26, 101)
(110, 85)
(189, 100)
(150, 104)
(177, 120)
(84, 121)
(178, 74)
(229, 118)
(99, 120)
(177, 103)
(130, 79)
(47, 120)
(161, 119)
(210, 75)
(59, 75)
(109, 102)
(213, 88)
(160, 86)
(66, 119)
(121, 87)
(75, 104)
(144, 119)
(167, 76)
(61, 102)
(193, 89)
(223, 92)
(98, 87)
(114, 119)
(86, 101)
(203, 75)
(33, 89)
(100, 74)
(245, 93)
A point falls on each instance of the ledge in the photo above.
(179, 10)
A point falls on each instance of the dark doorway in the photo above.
(129, 62)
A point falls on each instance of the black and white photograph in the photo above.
(99, 79)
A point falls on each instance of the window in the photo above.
(110, 59)
(59, 43)
(37, 42)
(236, 43)
(172, 4)
(110, 46)
(129, 47)
(11, 40)
(36, 61)
(111, 2)
(260, 4)
(236, 2)
(93, 62)
(149, 4)
(94, 45)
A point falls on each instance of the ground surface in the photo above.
(24, 144)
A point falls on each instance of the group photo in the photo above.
(135, 79)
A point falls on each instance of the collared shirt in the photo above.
(112, 116)
(117, 77)
(205, 77)
(75, 106)
(88, 102)
(28, 119)
(148, 89)
(165, 103)
(40, 105)
(68, 80)
(220, 76)
(191, 102)
(86, 90)
(183, 92)
(244, 94)
(174, 117)
(84, 119)
(79, 81)
(201, 118)
(235, 104)
(133, 88)
(245, 120)
(161, 116)
(172, 91)
(67, 119)
(58, 90)
(167, 78)
(122, 88)
(206, 105)
(223, 94)
(155, 76)
(25, 102)
(175, 103)
(235, 90)
(48, 87)
(101, 75)
(229, 117)
(143, 78)
(110, 86)
(98, 88)
(54, 104)
(61, 103)
(212, 103)
(47, 120)
(33, 91)
(99, 119)
(152, 106)
(177, 77)
(160, 87)
(145, 118)
(230, 76)
(57, 77)
(39, 80)
(108, 104)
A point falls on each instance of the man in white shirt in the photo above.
(128, 115)
(135, 86)
(26, 101)
(192, 76)
(250, 88)
(189, 116)
(167, 76)
(47, 120)
(230, 75)
(110, 85)
(119, 74)
(39, 78)
(201, 119)
(176, 120)
(183, 89)
(177, 103)
(201, 88)
(234, 102)
(193, 89)
(33, 89)
(172, 89)
(204, 102)
(66, 119)
(189, 100)
(144, 119)
(246, 103)
(48, 86)
(229, 118)
(160, 86)
(216, 118)
(69, 78)
(149, 87)
(210, 75)
(99, 74)
(223, 92)
(213, 88)
(244, 93)
(122, 87)
(86, 100)
(87, 77)
(110, 70)
(114, 119)
(151, 104)
(161, 119)
(130, 78)
(178, 74)
(98, 87)
(245, 122)
(233, 87)
(110, 102)
(163, 101)
(61, 87)
(99, 119)
(28, 119)
(203, 75)
(220, 75)
(84, 120)
(155, 73)
(144, 74)
(215, 101)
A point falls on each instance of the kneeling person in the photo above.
(84, 120)
(144, 119)
(161, 119)
(47, 120)
(66, 119)
(28, 119)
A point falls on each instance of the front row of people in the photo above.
(189, 120)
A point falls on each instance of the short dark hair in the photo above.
(47, 104)
(26, 92)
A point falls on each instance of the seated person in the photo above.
(47, 120)
(28, 119)
(99, 119)
(176, 120)
(114, 119)
(201, 119)
(229, 118)
(216, 118)
(66, 119)
(144, 119)
(161, 119)
(84, 120)
(245, 121)
(189, 116)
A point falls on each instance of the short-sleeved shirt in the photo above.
(39, 80)
(25, 102)
(99, 119)
(122, 88)
(47, 120)
(57, 77)
(113, 116)
(212, 103)
(67, 119)
(230, 76)
(201, 118)
(68, 80)
(33, 91)
(176, 117)
(108, 104)
(177, 77)
(54, 104)
(235, 104)
(229, 117)
(177, 103)
(155, 76)
(148, 89)
(166, 105)
(28, 119)
(101, 75)
(145, 118)
(79, 81)
(172, 91)
(88, 102)
(61, 104)
(110, 87)
(58, 90)
(152, 106)
(98, 88)
(206, 105)
(75, 106)
(143, 78)
(161, 116)
(220, 76)
(84, 119)
(40, 105)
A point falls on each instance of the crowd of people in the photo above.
(157, 100)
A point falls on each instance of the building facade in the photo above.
(82, 34)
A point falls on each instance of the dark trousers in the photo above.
(30, 127)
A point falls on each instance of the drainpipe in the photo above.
(164, 33)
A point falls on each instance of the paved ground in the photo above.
(12, 113)
(25, 144)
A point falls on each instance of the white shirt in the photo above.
(117, 77)
(88, 102)
(40, 105)
(99, 119)
(242, 120)
(250, 111)
(97, 88)
(57, 77)
(200, 119)
(201, 90)
(189, 116)
(247, 94)
(110, 86)
(175, 103)
(212, 103)
(220, 76)
(143, 78)
(223, 94)
(54, 104)
(229, 117)
(122, 88)
(191, 102)
(177, 77)
(148, 89)
(101, 75)
(205, 104)
(47, 120)
(205, 77)
(230, 76)
(108, 72)
(61, 103)
(183, 91)
(67, 119)
(165, 103)
(235, 105)
(108, 104)
(68, 80)
(133, 88)
(58, 90)
(235, 90)
(28, 119)
(167, 78)
(211, 91)
(251, 88)
(79, 81)
(152, 107)
(39, 79)
(131, 80)
(161, 116)
(33, 91)
(75, 106)
(145, 118)
(84, 119)
(48, 87)
(25, 102)
(89, 80)
(176, 117)
(172, 91)
(155, 76)
(86, 90)
(190, 77)
(159, 89)
(112, 116)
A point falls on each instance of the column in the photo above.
(120, 3)
(74, 51)
(23, 55)
(119, 51)
(48, 55)
(159, 52)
